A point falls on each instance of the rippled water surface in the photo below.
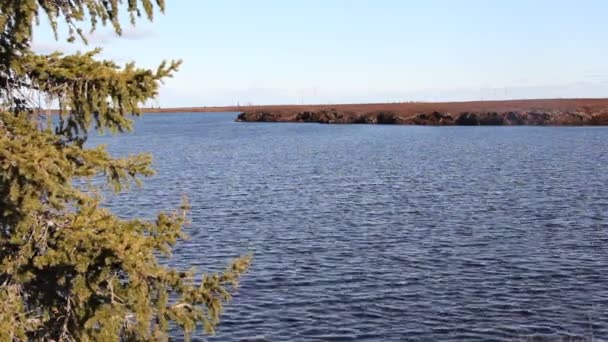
(388, 232)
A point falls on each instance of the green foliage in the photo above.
(70, 270)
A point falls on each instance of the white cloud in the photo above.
(52, 46)
(130, 33)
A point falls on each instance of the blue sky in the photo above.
(349, 51)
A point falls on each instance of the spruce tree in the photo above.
(70, 269)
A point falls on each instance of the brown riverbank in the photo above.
(554, 112)
(557, 112)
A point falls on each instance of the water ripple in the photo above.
(373, 233)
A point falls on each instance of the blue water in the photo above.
(364, 232)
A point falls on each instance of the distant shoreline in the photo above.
(542, 112)
(168, 110)
(538, 112)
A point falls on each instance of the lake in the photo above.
(370, 232)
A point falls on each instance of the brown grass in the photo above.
(410, 108)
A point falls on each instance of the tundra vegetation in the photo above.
(70, 269)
